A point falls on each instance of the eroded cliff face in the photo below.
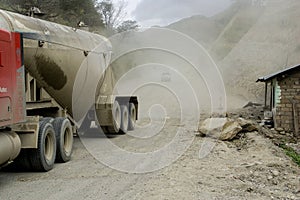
(254, 39)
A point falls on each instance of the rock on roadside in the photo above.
(220, 128)
(225, 129)
(247, 125)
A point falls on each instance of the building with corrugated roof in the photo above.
(282, 98)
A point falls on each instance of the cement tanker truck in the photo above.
(46, 72)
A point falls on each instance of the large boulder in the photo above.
(212, 126)
(230, 130)
(220, 128)
(248, 125)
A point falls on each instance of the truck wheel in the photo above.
(116, 113)
(124, 119)
(47, 119)
(64, 139)
(42, 159)
(132, 117)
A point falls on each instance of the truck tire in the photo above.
(116, 119)
(47, 119)
(64, 139)
(124, 120)
(42, 159)
(132, 117)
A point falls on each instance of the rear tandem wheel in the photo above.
(64, 139)
(42, 159)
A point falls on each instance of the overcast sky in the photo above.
(163, 12)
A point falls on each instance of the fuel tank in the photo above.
(64, 60)
(10, 147)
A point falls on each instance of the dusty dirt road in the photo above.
(255, 170)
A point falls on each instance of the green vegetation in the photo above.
(102, 16)
(113, 15)
(291, 153)
(65, 12)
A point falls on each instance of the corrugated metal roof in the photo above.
(280, 73)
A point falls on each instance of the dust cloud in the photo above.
(213, 62)
(168, 70)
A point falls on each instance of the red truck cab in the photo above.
(12, 83)
(29, 142)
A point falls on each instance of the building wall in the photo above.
(289, 91)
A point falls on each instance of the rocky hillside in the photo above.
(200, 28)
(247, 41)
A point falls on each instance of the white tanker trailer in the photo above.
(37, 55)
